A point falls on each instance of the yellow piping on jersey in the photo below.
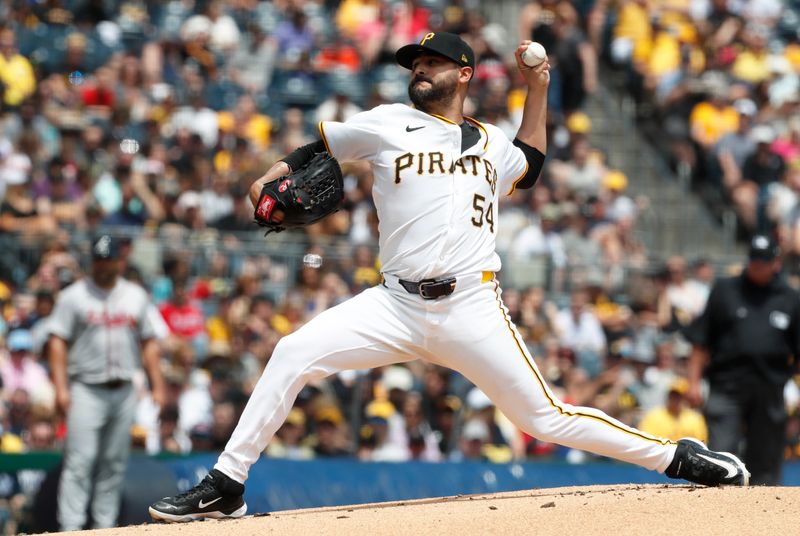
(444, 119)
(557, 406)
(480, 126)
(324, 139)
(471, 120)
(514, 185)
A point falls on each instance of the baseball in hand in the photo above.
(534, 55)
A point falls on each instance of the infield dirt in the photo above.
(630, 510)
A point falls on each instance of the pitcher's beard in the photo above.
(435, 93)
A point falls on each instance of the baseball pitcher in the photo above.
(438, 178)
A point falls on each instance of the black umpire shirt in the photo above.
(748, 330)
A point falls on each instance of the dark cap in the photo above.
(763, 248)
(445, 44)
(105, 247)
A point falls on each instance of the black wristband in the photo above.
(303, 155)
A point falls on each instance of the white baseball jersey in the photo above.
(437, 206)
(104, 329)
(437, 209)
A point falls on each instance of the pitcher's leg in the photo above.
(366, 331)
(482, 343)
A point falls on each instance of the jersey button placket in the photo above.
(451, 131)
(454, 225)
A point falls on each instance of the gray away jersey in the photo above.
(104, 330)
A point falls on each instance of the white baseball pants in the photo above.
(469, 331)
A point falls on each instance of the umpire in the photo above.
(97, 329)
(745, 343)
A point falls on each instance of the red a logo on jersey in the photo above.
(111, 320)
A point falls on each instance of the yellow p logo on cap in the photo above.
(427, 36)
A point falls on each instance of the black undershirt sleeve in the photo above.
(535, 160)
(302, 155)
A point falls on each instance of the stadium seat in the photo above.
(295, 88)
(344, 82)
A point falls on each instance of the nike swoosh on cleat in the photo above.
(202, 505)
(731, 468)
(409, 129)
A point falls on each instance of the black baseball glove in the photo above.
(303, 197)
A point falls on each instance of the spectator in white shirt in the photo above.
(540, 238)
(580, 331)
(198, 119)
(618, 205)
(686, 298)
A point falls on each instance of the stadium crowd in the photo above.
(718, 82)
(150, 120)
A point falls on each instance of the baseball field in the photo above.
(647, 510)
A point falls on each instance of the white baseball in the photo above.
(534, 55)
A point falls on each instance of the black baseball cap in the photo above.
(105, 247)
(763, 248)
(445, 44)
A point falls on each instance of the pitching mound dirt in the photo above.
(608, 510)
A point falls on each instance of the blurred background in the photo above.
(674, 135)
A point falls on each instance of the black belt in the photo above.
(112, 384)
(430, 289)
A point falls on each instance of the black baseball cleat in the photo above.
(695, 463)
(216, 496)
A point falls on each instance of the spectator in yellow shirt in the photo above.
(17, 80)
(675, 419)
(713, 118)
(633, 33)
(752, 62)
(352, 14)
(246, 122)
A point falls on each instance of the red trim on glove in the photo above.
(265, 207)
